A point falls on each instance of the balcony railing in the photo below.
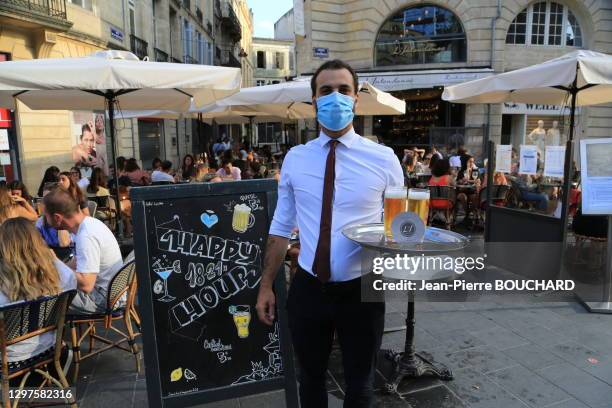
(160, 56)
(226, 58)
(52, 12)
(188, 59)
(139, 46)
(231, 24)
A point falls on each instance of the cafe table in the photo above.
(436, 242)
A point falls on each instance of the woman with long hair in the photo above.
(29, 270)
(19, 189)
(98, 184)
(67, 183)
(51, 176)
(188, 168)
(14, 206)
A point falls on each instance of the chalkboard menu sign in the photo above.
(199, 251)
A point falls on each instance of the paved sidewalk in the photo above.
(553, 355)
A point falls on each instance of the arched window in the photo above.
(545, 23)
(420, 35)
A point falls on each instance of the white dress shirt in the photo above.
(364, 170)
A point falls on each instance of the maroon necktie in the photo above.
(321, 265)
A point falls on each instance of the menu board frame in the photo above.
(287, 381)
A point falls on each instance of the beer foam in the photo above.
(395, 194)
(418, 195)
(242, 207)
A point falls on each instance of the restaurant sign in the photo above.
(512, 108)
(398, 81)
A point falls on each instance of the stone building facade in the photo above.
(180, 31)
(274, 62)
(415, 48)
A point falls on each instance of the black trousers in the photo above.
(315, 312)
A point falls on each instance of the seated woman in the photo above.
(440, 176)
(97, 190)
(67, 183)
(51, 176)
(20, 190)
(14, 206)
(29, 270)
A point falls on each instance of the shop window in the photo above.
(420, 35)
(545, 23)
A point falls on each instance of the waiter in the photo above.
(332, 182)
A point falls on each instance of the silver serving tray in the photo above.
(436, 240)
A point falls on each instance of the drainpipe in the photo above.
(154, 26)
(492, 58)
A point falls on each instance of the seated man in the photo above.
(163, 175)
(227, 171)
(98, 256)
(529, 192)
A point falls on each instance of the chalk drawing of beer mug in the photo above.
(242, 219)
(242, 318)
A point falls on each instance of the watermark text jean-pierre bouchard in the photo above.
(409, 265)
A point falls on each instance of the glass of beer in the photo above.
(418, 202)
(242, 318)
(395, 203)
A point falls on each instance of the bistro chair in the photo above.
(121, 295)
(104, 212)
(442, 200)
(24, 320)
(92, 206)
(499, 194)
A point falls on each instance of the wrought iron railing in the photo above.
(139, 46)
(49, 8)
(227, 58)
(160, 56)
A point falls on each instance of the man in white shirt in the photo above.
(163, 175)
(339, 176)
(98, 257)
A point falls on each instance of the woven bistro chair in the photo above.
(442, 200)
(24, 320)
(119, 306)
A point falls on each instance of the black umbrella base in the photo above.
(413, 366)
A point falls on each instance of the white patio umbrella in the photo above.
(293, 100)
(585, 77)
(110, 79)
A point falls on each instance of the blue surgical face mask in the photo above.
(335, 111)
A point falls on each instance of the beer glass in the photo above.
(395, 203)
(418, 202)
(242, 218)
(242, 318)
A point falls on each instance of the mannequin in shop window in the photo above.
(538, 137)
(553, 136)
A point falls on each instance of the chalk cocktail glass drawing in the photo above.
(164, 273)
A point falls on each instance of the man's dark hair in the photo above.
(85, 128)
(59, 201)
(166, 165)
(332, 65)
